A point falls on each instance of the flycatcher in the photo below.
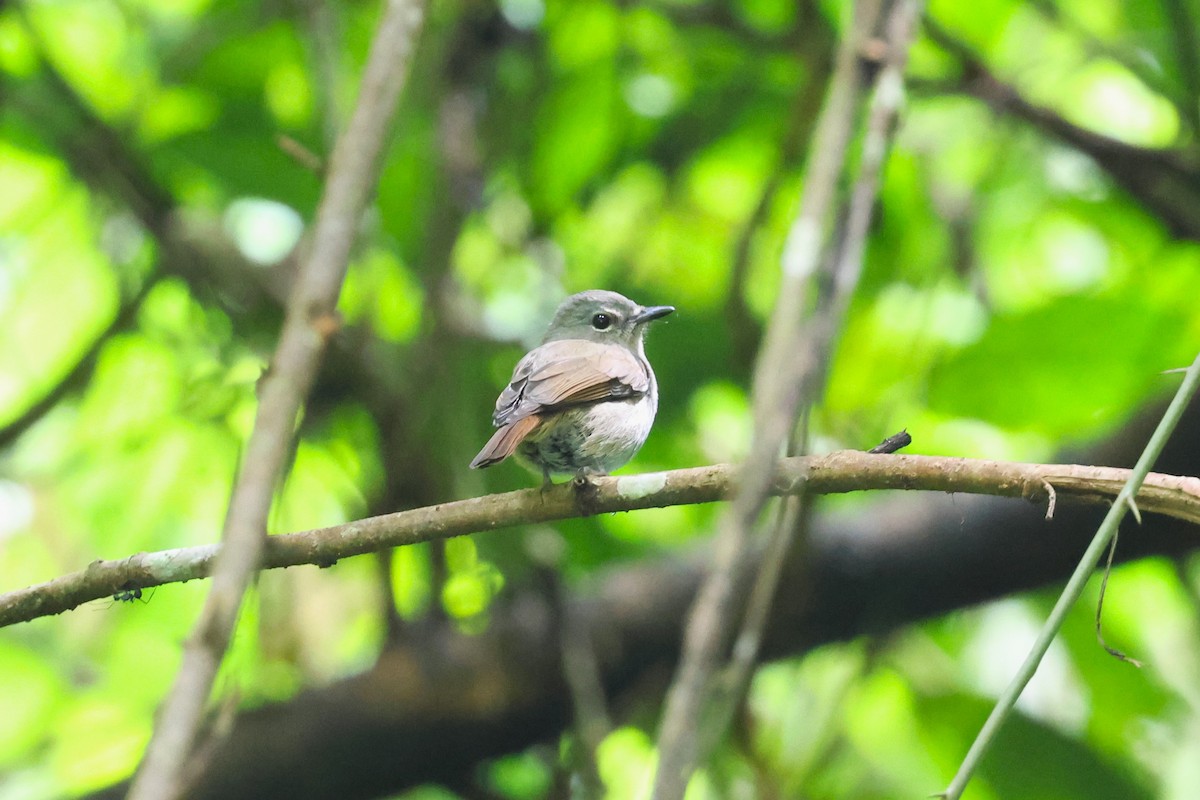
(584, 400)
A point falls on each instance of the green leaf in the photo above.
(1074, 365)
(576, 133)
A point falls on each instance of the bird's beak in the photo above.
(652, 312)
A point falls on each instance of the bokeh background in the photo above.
(1032, 269)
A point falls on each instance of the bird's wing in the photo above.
(569, 372)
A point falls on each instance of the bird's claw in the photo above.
(585, 492)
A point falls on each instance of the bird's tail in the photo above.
(504, 441)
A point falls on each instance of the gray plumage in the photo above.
(584, 400)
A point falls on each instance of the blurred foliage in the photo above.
(1014, 300)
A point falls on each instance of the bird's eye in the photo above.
(601, 321)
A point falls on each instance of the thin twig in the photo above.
(834, 473)
(352, 174)
(1112, 651)
(893, 443)
(1075, 585)
(791, 526)
(300, 154)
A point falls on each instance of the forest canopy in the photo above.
(1030, 270)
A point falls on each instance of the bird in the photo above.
(584, 400)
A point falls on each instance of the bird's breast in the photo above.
(600, 437)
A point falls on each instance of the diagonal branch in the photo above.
(99, 155)
(1134, 59)
(309, 321)
(840, 278)
(784, 364)
(78, 375)
(1105, 534)
(1167, 182)
(96, 152)
(835, 473)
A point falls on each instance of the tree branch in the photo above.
(438, 705)
(309, 321)
(99, 157)
(840, 276)
(835, 473)
(785, 365)
(1167, 182)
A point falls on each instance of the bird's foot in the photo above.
(585, 491)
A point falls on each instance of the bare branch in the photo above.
(312, 305)
(835, 473)
(888, 564)
(845, 268)
(779, 375)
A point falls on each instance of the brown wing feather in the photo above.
(504, 442)
(569, 372)
(558, 374)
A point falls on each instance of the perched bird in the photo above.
(583, 401)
